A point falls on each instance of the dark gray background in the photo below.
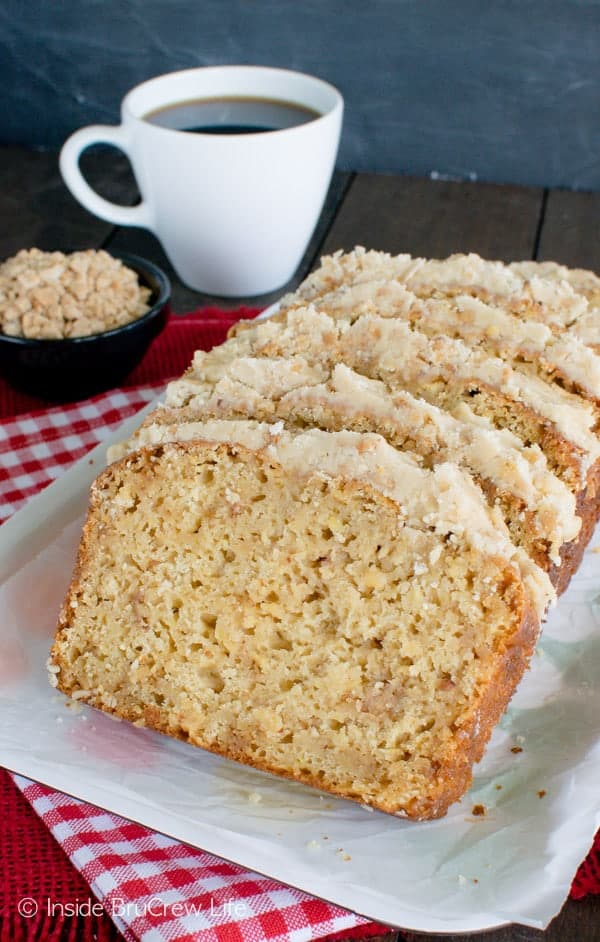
(501, 90)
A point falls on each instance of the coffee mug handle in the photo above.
(69, 167)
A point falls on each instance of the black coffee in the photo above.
(231, 115)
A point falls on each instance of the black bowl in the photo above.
(78, 367)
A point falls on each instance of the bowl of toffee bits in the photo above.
(75, 325)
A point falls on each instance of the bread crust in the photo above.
(588, 508)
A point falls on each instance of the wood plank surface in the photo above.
(141, 242)
(579, 921)
(37, 209)
(571, 229)
(437, 217)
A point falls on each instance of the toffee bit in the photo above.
(541, 793)
(50, 295)
(516, 749)
(343, 855)
(478, 810)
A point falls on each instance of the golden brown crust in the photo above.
(588, 508)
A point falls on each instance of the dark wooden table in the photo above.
(393, 213)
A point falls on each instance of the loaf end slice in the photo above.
(344, 631)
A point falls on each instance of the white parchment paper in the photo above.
(462, 873)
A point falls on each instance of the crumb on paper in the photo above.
(520, 739)
(478, 810)
(475, 880)
(53, 671)
(541, 793)
(516, 749)
(326, 804)
(462, 880)
(313, 845)
(326, 837)
(254, 798)
(595, 549)
(498, 787)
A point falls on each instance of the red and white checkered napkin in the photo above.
(35, 447)
(154, 888)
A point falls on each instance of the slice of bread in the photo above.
(313, 604)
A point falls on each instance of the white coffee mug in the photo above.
(234, 212)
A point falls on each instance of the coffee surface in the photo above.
(231, 115)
